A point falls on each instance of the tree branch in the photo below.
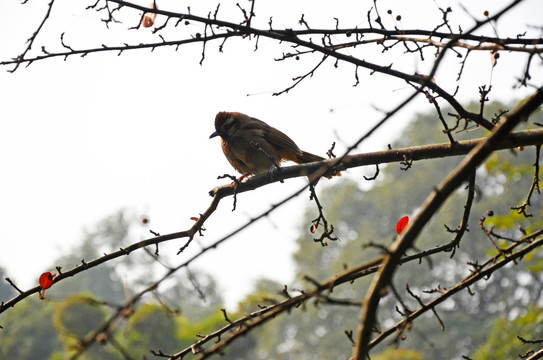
(428, 209)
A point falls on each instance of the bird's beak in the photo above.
(216, 133)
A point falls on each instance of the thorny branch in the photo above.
(521, 209)
(255, 319)
(523, 138)
(477, 149)
(295, 37)
(21, 58)
(463, 227)
(430, 206)
(328, 233)
(483, 271)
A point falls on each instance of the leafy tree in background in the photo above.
(500, 344)
(462, 262)
(31, 333)
(364, 225)
(74, 309)
(365, 221)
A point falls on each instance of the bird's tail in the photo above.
(306, 157)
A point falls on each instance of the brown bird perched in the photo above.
(250, 145)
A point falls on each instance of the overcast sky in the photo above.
(83, 138)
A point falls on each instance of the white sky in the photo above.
(83, 138)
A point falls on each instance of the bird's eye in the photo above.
(228, 124)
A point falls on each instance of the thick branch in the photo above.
(293, 37)
(428, 209)
(521, 138)
(487, 268)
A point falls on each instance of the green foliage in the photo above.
(503, 343)
(189, 332)
(368, 217)
(364, 221)
(79, 305)
(103, 281)
(151, 328)
(535, 261)
(28, 332)
(398, 354)
(77, 315)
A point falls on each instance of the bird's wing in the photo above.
(273, 136)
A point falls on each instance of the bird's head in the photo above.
(226, 124)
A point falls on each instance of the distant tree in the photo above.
(528, 329)
(365, 224)
(451, 254)
(30, 333)
(6, 291)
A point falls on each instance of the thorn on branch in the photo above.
(406, 163)
(356, 77)
(216, 11)
(166, 308)
(524, 341)
(285, 293)
(433, 101)
(489, 234)
(303, 22)
(299, 79)
(406, 311)
(159, 353)
(312, 281)
(475, 265)
(483, 91)
(226, 316)
(497, 116)
(247, 18)
(416, 297)
(221, 46)
(158, 28)
(521, 209)
(349, 334)
(378, 19)
(436, 290)
(526, 76)
(463, 63)
(327, 233)
(330, 152)
(445, 14)
(375, 175)
(236, 183)
(375, 245)
(463, 227)
(13, 285)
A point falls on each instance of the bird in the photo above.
(253, 147)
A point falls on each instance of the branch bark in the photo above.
(428, 209)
